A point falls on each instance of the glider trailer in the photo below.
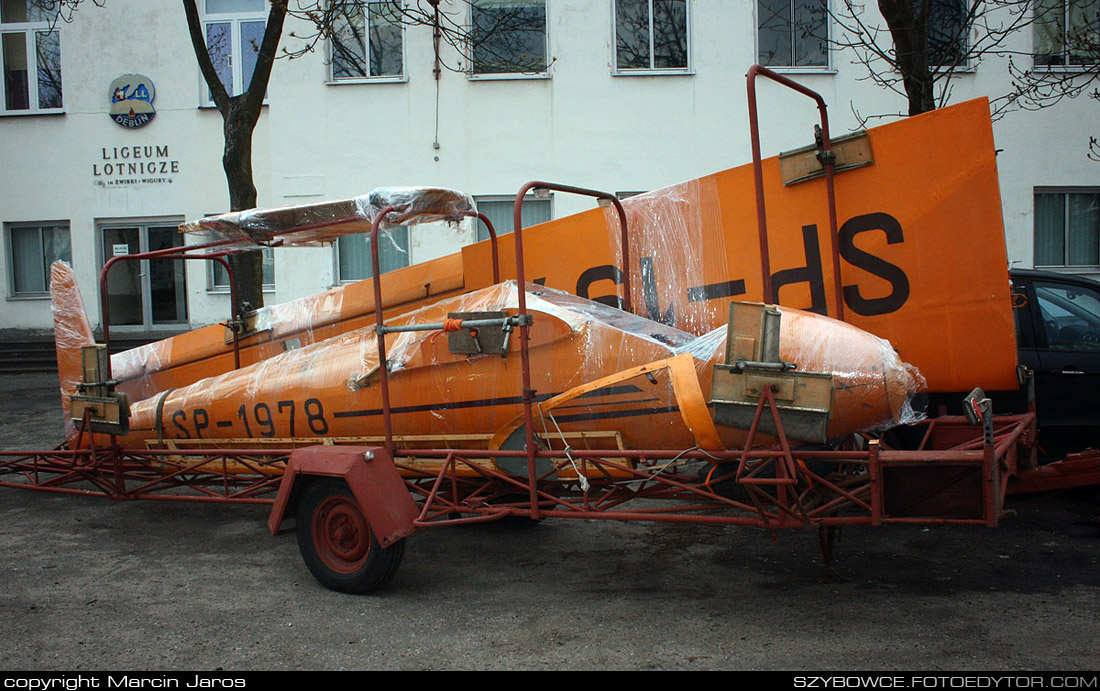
(356, 499)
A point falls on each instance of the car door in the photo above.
(1066, 319)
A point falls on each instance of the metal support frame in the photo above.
(225, 475)
(180, 254)
(525, 357)
(782, 487)
(379, 325)
(828, 162)
(522, 319)
(779, 487)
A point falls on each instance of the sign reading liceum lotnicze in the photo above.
(132, 100)
(135, 165)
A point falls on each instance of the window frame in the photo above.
(215, 288)
(9, 250)
(510, 200)
(234, 19)
(1065, 66)
(341, 281)
(332, 79)
(966, 65)
(496, 76)
(827, 68)
(143, 225)
(687, 69)
(1064, 267)
(1044, 304)
(30, 31)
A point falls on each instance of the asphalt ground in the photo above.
(92, 584)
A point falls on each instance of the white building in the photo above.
(620, 95)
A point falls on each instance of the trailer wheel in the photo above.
(337, 543)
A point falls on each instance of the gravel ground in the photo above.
(91, 584)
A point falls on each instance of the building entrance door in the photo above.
(150, 294)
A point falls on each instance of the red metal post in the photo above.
(525, 358)
(493, 240)
(624, 236)
(173, 253)
(382, 365)
(825, 155)
(874, 470)
(387, 416)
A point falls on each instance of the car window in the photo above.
(1071, 316)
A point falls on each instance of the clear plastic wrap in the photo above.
(205, 352)
(134, 367)
(72, 331)
(309, 224)
(675, 254)
(875, 388)
(876, 384)
(414, 205)
(265, 225)
(331, 388)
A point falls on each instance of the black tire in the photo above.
(336, 541)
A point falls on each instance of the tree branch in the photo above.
(206, 66)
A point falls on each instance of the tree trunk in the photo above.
(239, 117)
(237, 162)
(909, 31)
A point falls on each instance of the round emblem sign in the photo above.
(132, 100)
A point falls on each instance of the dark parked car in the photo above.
(1058, 336)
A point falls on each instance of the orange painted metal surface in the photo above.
(922, 248)
(189, 357)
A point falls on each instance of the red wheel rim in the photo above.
(341, 534)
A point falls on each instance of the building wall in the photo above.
(582, 125)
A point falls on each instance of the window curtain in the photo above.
(1083, 229)
(500, 214)
(1050, 228)
(355, 255)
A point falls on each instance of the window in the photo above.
(219, 277)
(31, 53)
(32, 247)
(1067, 228)
(366, 40)
(234, 33)
(508, 36)
(1067, 32)
(947, 28)
(1071, 316)
(792, 33)
(144, 293)
(651, 35)
(353, 254)
(501, 213)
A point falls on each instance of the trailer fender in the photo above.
(370, 474)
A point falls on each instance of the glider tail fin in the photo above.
(72, 331)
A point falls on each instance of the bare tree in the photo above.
(916, 48)
(1066, 62)
(926, 43)
(480, 37)
(240, 113)
(507, 38)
